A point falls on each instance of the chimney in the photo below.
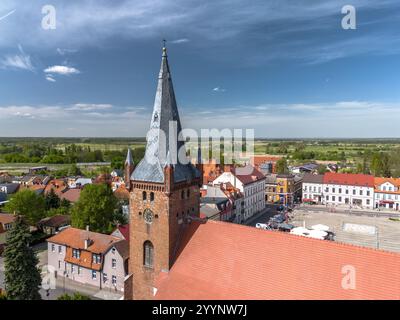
(87, 240)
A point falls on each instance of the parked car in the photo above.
(261, 226)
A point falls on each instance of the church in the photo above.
(174, 254)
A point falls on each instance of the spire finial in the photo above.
(164, 48)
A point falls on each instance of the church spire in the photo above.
(164, 134)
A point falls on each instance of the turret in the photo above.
(169, 175)
(129, 166)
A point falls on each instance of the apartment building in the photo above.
(387, 193)
(251, 184)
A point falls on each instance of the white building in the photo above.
(351, 190)
(251, 184)
(387, 193)
(312, 187)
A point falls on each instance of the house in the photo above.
(5, 177)
(283, 188)
(216, 207)
(387, 193)
(72, 195)
(52, 225)
(35, 170)
(9, 188)
(122, 232)
(251, 184)
(78, 182)
(305, 168)
(356, 190)
(6, 224)
(313, 185)
(90, 258)
(57, 185)
(265, 163)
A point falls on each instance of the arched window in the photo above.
(148, 254)
(151, 196)
(144, 195)
(183, 194)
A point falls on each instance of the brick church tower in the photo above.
(164, 192)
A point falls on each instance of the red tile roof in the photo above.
(361, 180)
(72, 195)
(220, 260)
(252, 176)
(124, 231)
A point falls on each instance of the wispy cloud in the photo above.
(20, 61)
(179, 41)
(50, 78)
(90, 107)
(6, 15)
(63, 52)
(218, 89)
(61, 70)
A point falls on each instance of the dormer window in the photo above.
(76, 253)
(96, 258)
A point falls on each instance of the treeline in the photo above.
(48, 154)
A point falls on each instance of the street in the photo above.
(270, 211)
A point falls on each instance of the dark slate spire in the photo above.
(129, 159)
(165, 127)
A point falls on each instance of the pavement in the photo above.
(386, 235)
(261, 217)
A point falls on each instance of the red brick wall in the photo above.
(162, 232)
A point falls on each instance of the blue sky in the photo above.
(284, 68)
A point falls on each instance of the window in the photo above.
(53, 248)
(354, 191)
(183, 194)
(340, 199)
(105, 278)
(327, 198)
(94, 275)
(59, 264)
(8, 226)
(151, 196)
(76, 253)
(333, 190)
(340, 190)
(347, 191)
(361, 192)
(148, 253)
(59, 249)
(333, 198)
(72, 268)
(367, 201)
(144, 194)
(96, 258)
(114, 263)
(368, 193)
(114, 280)
(113, 250)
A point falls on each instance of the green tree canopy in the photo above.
(29, 204)
(75, 296)
(282, 166)
(52, 200)
(22, 277)
(97, 208)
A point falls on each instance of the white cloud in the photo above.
(218, 89)
(6, 15)
(61, 70)
(50, 78)
(179, 41)
(364, 119)
(63, 52)
(20, 60)
(90, 107)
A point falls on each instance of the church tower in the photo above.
(164, 193)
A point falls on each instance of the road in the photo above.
(270, 211)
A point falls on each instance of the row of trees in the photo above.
(97, 207)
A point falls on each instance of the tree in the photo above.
(96, 208)
(281, 166)
(22, 277)
(29, 204)
(75, 296)
(52, 200)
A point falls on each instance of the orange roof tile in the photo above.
(220, 260)
(75, 238)
(362, 180)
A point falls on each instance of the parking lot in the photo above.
(386, 235)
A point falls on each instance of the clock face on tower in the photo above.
(148, 216)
